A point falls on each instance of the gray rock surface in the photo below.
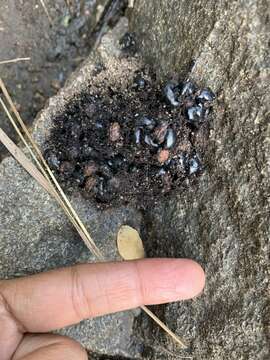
(55, 50)
(36, 235)
(223, 222)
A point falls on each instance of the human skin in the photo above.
(31, 307)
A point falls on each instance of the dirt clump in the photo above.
(134, 145)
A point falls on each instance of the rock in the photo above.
(173, 32)
(223, 221)
(36, 235)
(25, 30)
(220, 219)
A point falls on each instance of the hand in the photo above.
(49, 301)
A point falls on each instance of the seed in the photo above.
(170, 139)
(114, 132)
(163, 156)
(90, 183)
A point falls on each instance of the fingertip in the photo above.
(166, 280)
(191, 280)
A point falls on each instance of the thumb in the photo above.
(45, 347)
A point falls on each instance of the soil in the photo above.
(131, 145)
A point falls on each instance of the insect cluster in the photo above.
(142, 144)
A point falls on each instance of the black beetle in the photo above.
(149, 141)
(170, 139)
(195, 114)
(206, 95)
(147, 123)
(194, 165)
(138, 135)
(170, 94)
(188, 88)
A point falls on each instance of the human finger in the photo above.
(45, 347)
(58, 298)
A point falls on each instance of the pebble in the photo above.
(114, 132)
(163, 156)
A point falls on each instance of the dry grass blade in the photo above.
(11, 61)
(23, 160)
(47, 172)
(19, 133)
(17, 153)
(164, 327)
(46, 11)
(46, 179)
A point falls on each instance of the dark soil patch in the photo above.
(133, 145)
